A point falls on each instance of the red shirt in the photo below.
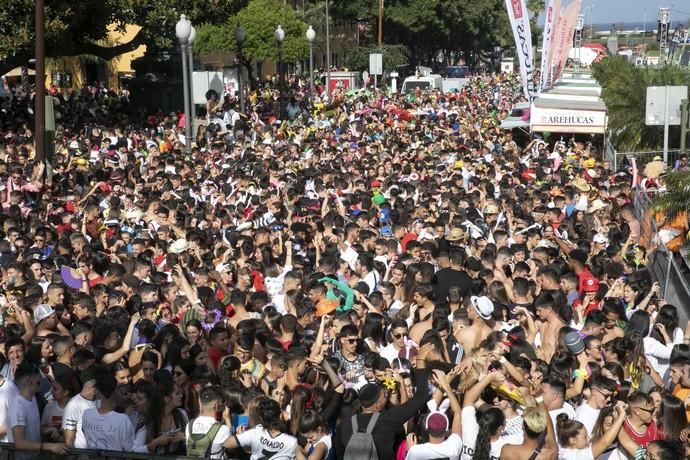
(215, 355)
(643, 439)
(582, 276)
(412, 236)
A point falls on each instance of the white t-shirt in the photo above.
(513, 426)
(587, 415)
(72, 418)
(567, 409)
(8, 392)
(576, 454)
(497, 445)
(24, 413)
(658, 354)
(263, 445)
(109, 431)
(470, 430)
(203, 424)
(451, 449)
(327, 441)
(372, 280)
(52, 413)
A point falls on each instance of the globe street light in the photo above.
(183, 30)
(240, 37)
(280, 36)
(311, 35)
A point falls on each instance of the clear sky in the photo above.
(619, 11)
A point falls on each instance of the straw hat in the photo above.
(179, 246)
(597, 205)
(456, 234)
(490, 209)
(581, 184)
(556, 191)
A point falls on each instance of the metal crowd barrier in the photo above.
(610, 154)
(667, 267)
(618, 159)
(9, 452)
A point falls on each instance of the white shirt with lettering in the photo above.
(263, 445)
(72, 418)
(109, 431)
(470, 430)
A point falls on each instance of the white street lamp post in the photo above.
(311, 35)
(183, 30)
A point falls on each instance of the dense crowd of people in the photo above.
(377, 276)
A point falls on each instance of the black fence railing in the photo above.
(9, 452)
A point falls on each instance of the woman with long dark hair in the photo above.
(317, 432)
(302, 399)
(665, 332)
(412, 278)
(671, 418)
(194, 331)
(657, 353)
(491, 423)
(40, 352)
(162, 430)
(182, 376)
(373, 331)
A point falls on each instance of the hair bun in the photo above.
(562, 418)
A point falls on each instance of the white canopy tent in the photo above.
(568, 116)
(17, 72)
(572, 105)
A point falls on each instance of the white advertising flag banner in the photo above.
(519, 21)
(550, 20)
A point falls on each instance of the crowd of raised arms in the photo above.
(377, 276)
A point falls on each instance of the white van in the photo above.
(422, 79)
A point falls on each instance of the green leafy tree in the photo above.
(624, 89)
(394, 56)
(80, 27)
(429, 28)
(676, 198)
(259, 21)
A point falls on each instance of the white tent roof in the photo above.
(17, 72)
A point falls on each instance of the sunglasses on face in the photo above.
(649, 411)
(605, 395)
(351, 341)
(399, 336)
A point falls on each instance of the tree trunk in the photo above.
(26, 86)
(253, 84)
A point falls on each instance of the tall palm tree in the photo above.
(676, 197)
(624, 88)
